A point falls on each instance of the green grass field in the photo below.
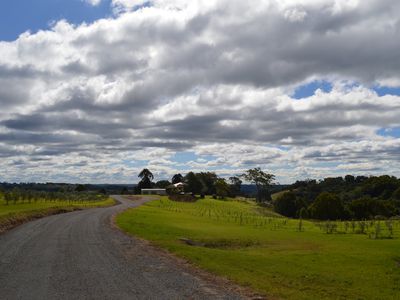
(14, 214)
(257, 249)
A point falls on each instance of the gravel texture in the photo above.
(79, 255)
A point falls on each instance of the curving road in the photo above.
(79, 255)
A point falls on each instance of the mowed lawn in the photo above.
(13, 214)
(256, 249)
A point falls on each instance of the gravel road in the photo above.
(79, 255)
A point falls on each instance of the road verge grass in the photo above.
(14, 215)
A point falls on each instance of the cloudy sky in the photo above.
(93, 91)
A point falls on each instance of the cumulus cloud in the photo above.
(212, 77)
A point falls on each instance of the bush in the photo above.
(182, 198)
(367, 208)
(285, 204)
(328, 206)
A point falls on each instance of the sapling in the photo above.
(389, 226)
(300, 225)
(353, 226)
(377, 232)
(362, 225)
(346, 226)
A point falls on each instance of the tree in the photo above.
(162, 184)
(327, 206)
(207, 180)
(194, 185)
(382, 186)
(146, 173)
(81, 188)
(124, 191)
(221, 188)
(235, 185)
(396, 194)
(8, 197)
(146, 180)
(350, 179)
(262, 181)
(367, 208)
(177, 178)
(285, 204)
(303, 213)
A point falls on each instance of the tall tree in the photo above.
(146, 173)
(262, 180)
(146, 180)
(194, 185)
(235, 185)
(207, 180)
(327, 206)
(177, 178)
(285, 204)
(221, 188)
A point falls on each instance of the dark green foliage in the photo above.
(146, 173)
(367, 208)
(382, 186)
(81, 188)
(145, 182)
(362, 197)
(285, 204)
(162, 184)
(193, 184)
(327, 206)
(235, 186)
(124, 191)
(396, 194)
(349, 179)
(201, 183)
(208, 180)
(303, 213)
(221, 188)
(177, 178)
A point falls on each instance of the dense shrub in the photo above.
(367, 208)
(328, 206)
(182, 198)
(285, 204)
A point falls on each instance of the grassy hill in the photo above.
(275, 256)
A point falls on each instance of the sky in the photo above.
(94, 91)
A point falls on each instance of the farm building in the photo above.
(154, 192)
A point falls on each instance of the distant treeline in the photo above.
(249, 190)
(342, 198)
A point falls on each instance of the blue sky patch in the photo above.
(383, 91)
(393, 132)
(183, 157)
(19, 16)
(309, 89)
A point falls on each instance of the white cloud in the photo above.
(93, 2)
(214, 77)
